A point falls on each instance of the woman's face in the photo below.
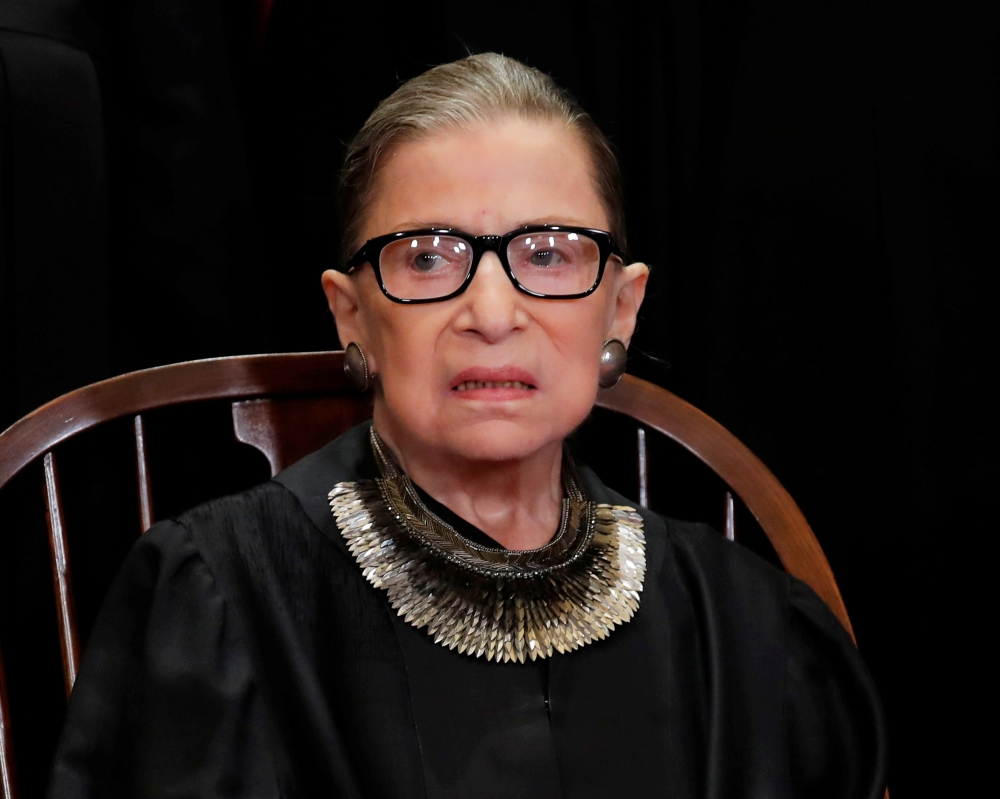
(487, 179)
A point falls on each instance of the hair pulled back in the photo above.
(477, 89)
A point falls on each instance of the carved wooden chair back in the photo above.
(289, 405)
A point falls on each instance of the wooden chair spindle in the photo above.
(729, 523)
(62, 581)
(289, 428)
(142, 473)
(7, 777)
(643, 467)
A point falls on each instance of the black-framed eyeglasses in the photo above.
(554, 262)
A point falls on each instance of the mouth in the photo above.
(472, 385)
(499, 383)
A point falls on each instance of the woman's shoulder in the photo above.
(254, 506)
(697, 548)
(287, 511)
(690, 550)
(214, 524)
(241, 541)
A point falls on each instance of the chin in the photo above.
(501, 440)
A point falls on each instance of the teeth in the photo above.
(471, 384)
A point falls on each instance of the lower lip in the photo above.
(494, 394)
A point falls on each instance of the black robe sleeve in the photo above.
(165, 704)
(835, 728)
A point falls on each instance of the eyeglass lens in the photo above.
(552, 263)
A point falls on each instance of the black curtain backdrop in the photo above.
(815, 186)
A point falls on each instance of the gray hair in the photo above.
(475, 89)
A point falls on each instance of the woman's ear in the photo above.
(342, 297)
(630, 289)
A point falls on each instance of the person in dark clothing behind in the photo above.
(441, 602)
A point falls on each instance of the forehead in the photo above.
(487, 178)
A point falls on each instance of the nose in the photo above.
(492, 304)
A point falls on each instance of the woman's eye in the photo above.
(545, 258)
(428, 261)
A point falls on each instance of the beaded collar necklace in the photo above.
(504, 605)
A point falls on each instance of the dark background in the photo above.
(814, 184)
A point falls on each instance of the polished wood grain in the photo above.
(194, 381)
(288, 429)
(8, 773)
(62, 581)
(772, 506)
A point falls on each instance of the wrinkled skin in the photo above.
(492, 455)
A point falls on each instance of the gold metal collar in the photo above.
(502, 604)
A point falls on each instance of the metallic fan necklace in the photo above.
(504, 605)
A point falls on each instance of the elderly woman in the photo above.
(441, 603)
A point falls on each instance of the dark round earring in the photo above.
(612, 364)
(356, 368)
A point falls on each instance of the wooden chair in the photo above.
(289, 405)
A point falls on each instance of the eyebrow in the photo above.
(561, 220)
(418, 224)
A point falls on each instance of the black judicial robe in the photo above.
(241, 653)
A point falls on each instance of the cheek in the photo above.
(417, 351)
(402, 351)
(573, 337)
(404, 346)
(399, 338)
(575, 329)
